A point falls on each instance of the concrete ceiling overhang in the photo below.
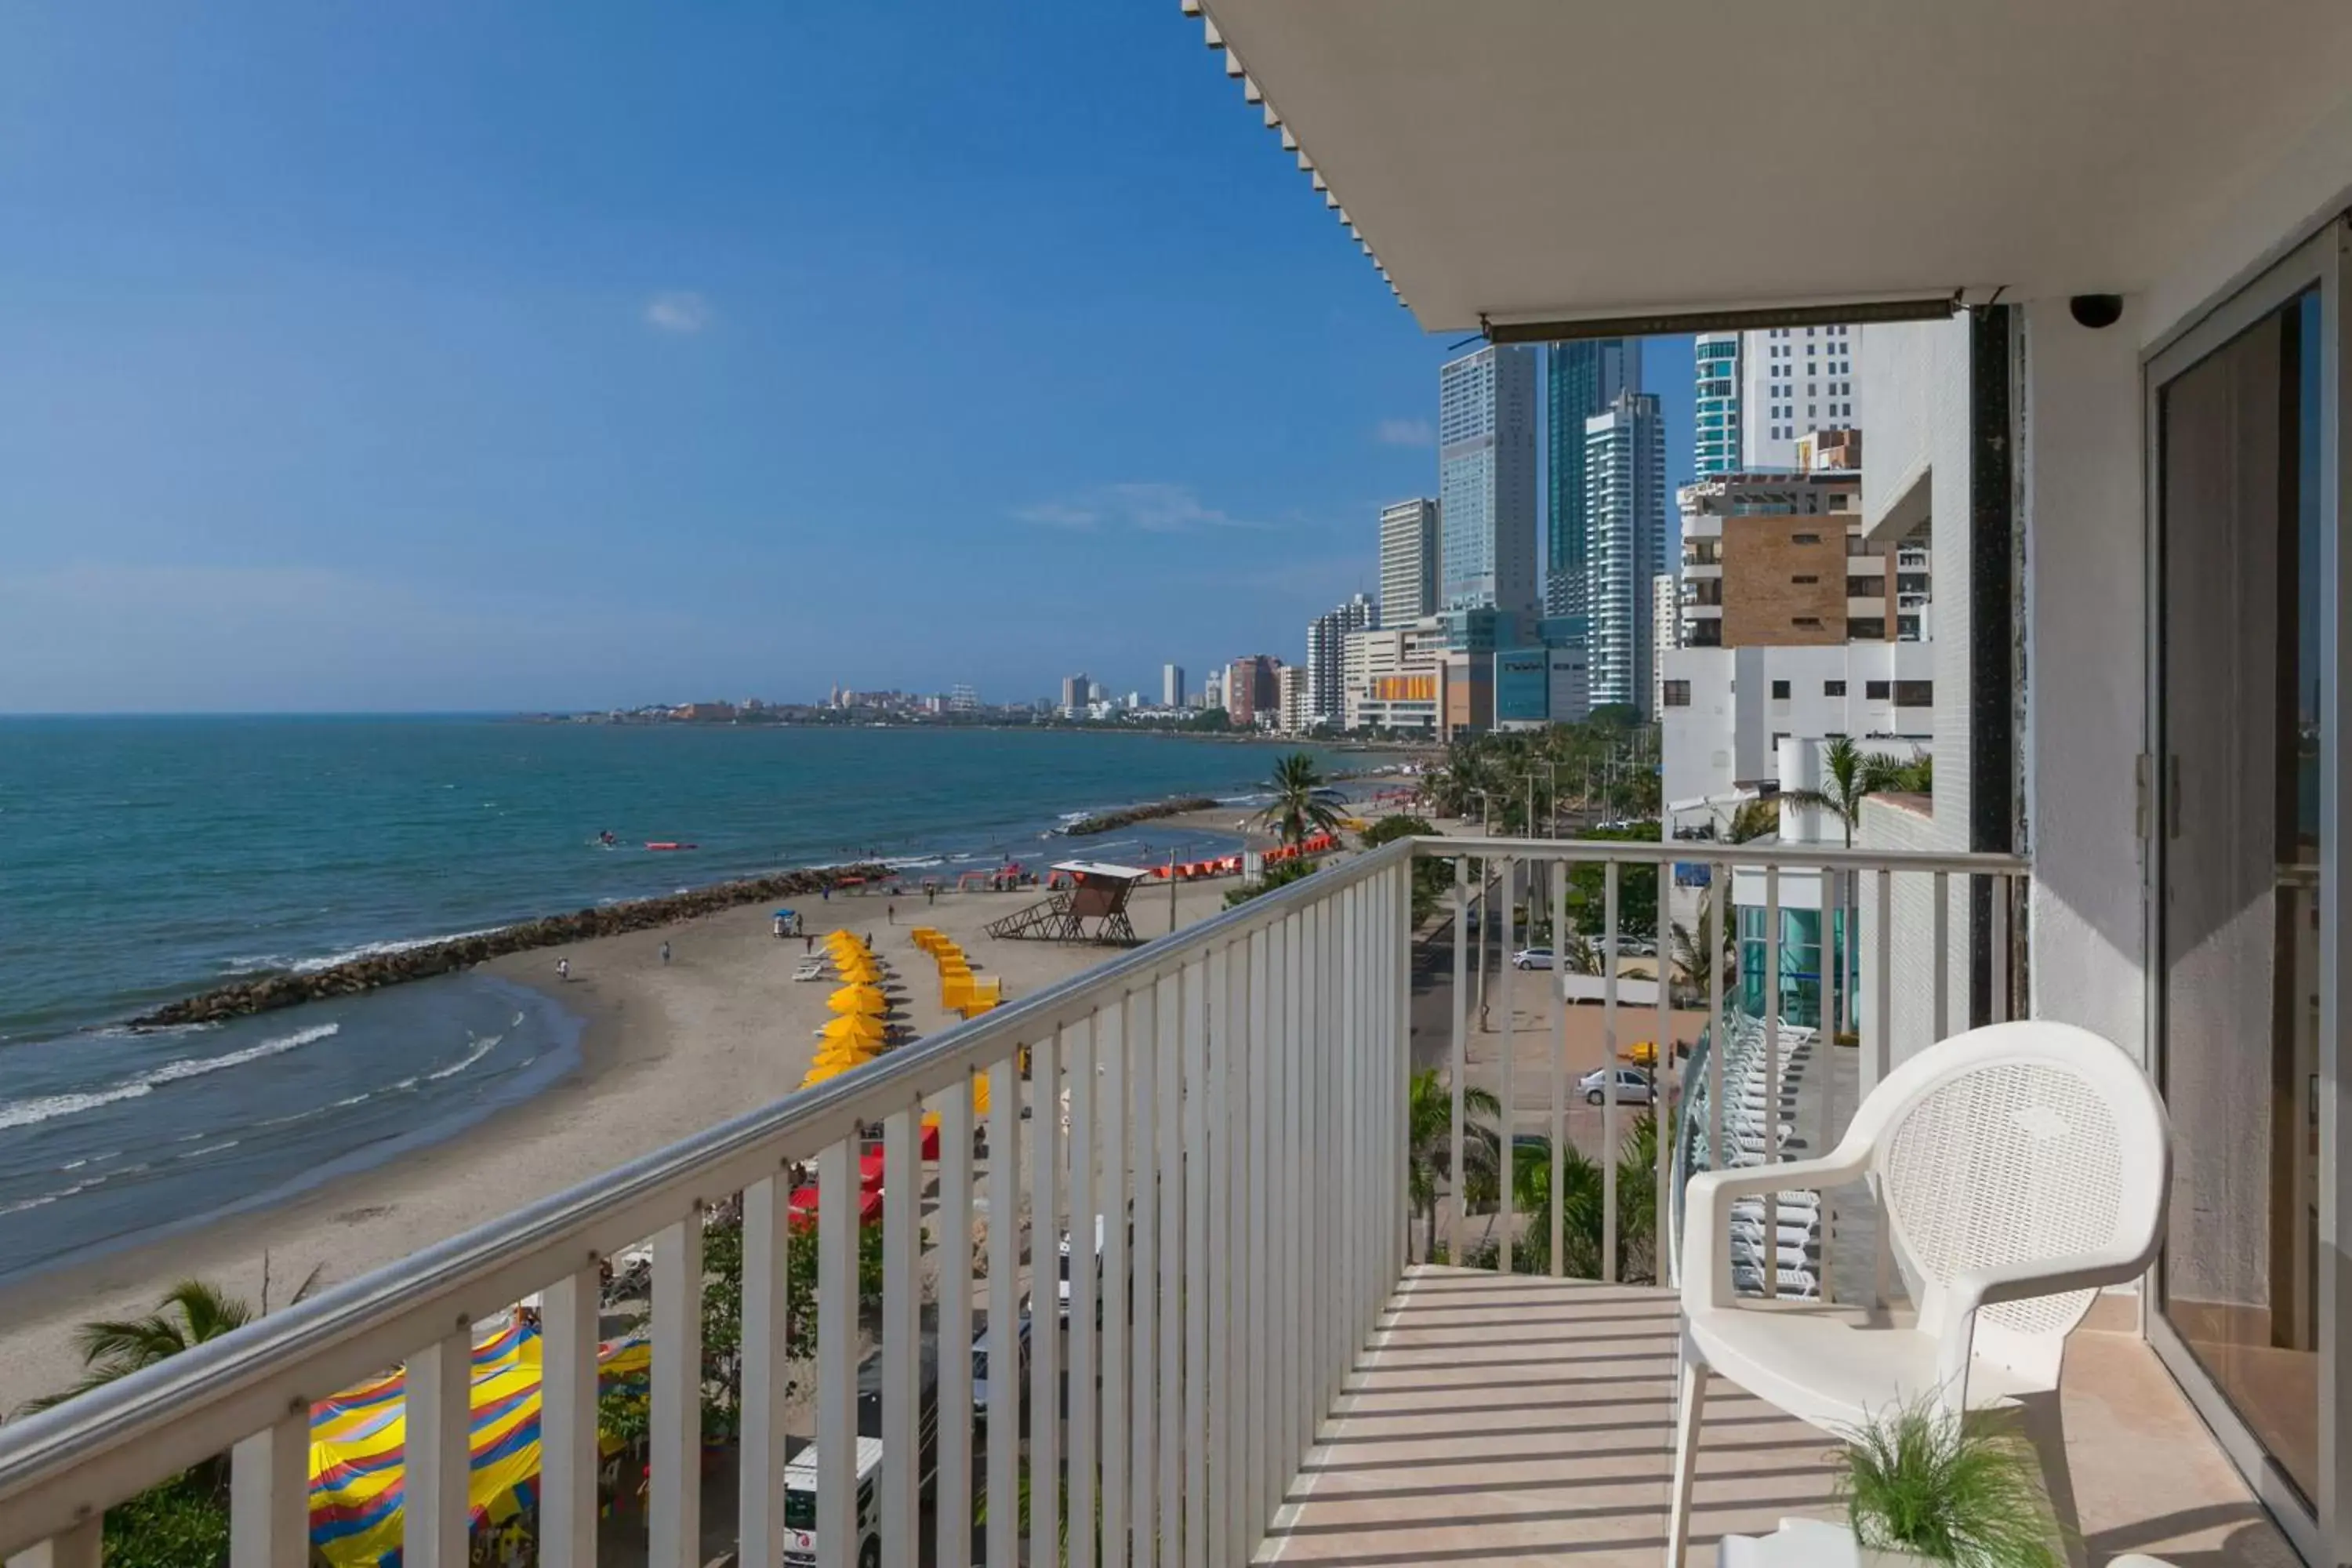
(1532, 162)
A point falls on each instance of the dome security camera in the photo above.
(2096, 310)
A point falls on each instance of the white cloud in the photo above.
(1147, 507)
(678, 310)
(1406, 433)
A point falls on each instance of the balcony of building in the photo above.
(1248, 1124)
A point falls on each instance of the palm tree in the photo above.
(1453, 783)
(190, 1313)
(1429, 1127)
(1753, 820)
(1691, 954)
(1582, 1200)
(1297, 808)
(1855, 775)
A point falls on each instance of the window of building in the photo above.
(1677, 693)
(1804, 539)
(1805, 578)
(1877, 690)
(1811, 623)
(1832, 688)
(1915, 694)
(1866, 628)
(1779, 691)
(1865, 587)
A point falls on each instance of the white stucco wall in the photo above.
(2086, 664)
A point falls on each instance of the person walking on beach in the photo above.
(892, 911)
(563, 970)
(808, 942)
(665, 955)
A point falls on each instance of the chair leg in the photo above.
(2045, 1425)
(1692, 1388)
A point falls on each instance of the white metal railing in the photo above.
(1889, 913)
(1224, 1107)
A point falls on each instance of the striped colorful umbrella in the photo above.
(358, 1446)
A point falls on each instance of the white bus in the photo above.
(801, 1474)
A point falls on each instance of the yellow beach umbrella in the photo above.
(819, 1072)
(854, 1023)
(841, 1061)
(862, 999)
(860, 973)
(980, 1094)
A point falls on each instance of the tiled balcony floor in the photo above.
(1517, 1420)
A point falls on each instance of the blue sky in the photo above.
(532, 356)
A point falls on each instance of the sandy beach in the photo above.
(667, 1051)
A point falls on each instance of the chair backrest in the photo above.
(2011, 1144)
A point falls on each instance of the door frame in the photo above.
(2320, 1528)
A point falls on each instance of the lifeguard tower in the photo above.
(1092, 909)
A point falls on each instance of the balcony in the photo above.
(1269, 1358)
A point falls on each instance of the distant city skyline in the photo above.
(388, 387)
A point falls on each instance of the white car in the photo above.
(1632, 1087)
(1532, 958)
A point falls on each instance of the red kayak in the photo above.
(668, 844)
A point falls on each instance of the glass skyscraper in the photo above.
(1626, 487)
(1716, 445)
(1582, 380)
(1487, 481)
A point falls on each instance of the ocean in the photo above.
(141, 859)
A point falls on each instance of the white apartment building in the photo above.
(1408, 547)
(1394, 677)
(1172, 686)
(1665, 634)
(1794, 381)
(1326, 655)
(1293, 700)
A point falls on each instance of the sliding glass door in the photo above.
(2241, 424)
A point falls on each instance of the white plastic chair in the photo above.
(2022, 1167)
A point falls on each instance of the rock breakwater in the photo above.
(263, 993)
(1087, 825)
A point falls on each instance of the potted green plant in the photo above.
(1922, 1484)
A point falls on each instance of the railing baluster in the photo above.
(902, 1291)
(1557, 986)
(1665, 1079)
(954, 1486)
(1224, 979)
(1044, 1302)
(1942, 1024)
(269, 1505)
(1229, 1177)
(1258, 1342)
(1826, 1060)
(674, 1510)
(1168, 1110)
(1612, 945)
(1297, 1018)
(567, 1419)
(1398, 1070)
(1997, 887)
(1143, 1342)
(837, 1201)
(1718, 893)
(1771, 1251)
(1124, 1023)
(1003, 1310)
(1506, 1093)
(1882, 1059)
(1196, 1163)
(440, 1421)
(1458, 1215)
(1087, 1234)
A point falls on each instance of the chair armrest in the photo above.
(2024, 1282)
(1706, 1212)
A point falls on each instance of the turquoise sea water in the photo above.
(144, 858)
